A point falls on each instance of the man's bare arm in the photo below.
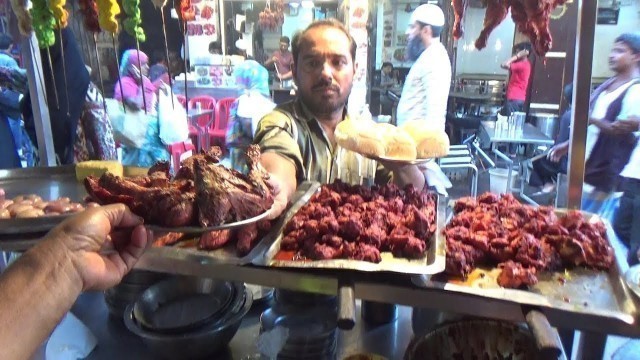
(283, 178)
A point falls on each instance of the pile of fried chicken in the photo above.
(522, 240)
(202, 193)
(530, 16)
(357, 222)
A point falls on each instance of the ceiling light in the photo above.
(294, 5)
(307, 4)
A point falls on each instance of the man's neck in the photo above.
(330, 120)
(429, 41)
(627, 75)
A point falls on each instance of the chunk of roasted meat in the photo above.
(202, 192)
(356, 222)
(531, 18)
(499, 230)
(459, 7)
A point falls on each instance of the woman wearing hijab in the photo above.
(247, 110)
(130, 91)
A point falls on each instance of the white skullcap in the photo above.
(428, 14)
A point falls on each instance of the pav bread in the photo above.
(398, 144)
(362, 137)
(429, 143)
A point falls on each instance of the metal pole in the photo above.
(585, 34)
(44, 136)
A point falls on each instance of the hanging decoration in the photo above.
(107, 12)
(43, 25)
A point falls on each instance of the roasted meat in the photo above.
(203, 192)
(357, 222)
(215, 239)
(459, 7)
(499, 230)
(531, 18)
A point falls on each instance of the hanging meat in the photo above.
(272, 17)
(203, 192)
(459, 7)
(531, 18)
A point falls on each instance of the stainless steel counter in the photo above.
(116, 342)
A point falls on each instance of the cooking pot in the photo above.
(474, 339)
(547, 123)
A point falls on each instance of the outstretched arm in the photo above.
(92, 250)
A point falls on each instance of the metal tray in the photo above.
(432, 262)
(47, 182)
(579, 290)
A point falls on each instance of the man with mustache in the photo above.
(297, 138)
(426, 88)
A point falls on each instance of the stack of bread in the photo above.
(413, 140)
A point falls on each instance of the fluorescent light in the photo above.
(294, 5)
(307, 4)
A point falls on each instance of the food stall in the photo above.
(596, 302)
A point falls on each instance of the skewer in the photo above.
(95, 47)
(186, 69)
(166, 54)
(115, 50)
(44, 89)
(144, 99)
(53, 78)
(64, 69)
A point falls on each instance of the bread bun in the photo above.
(398, 144)
(360, 136)
(430, 143)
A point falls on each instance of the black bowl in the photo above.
(185, 303)
(196, 344)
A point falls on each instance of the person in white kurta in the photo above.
(426, 88)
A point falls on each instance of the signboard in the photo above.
(204, 29)
(608, 16)
(214, 76)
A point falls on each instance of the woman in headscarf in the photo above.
(135, 89)
(247, 110)
(134, 68)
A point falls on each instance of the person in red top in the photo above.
(519, 72)
(282, 60)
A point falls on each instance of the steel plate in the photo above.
(197, 230)
(580, 290)
(632, 279)
(432, 262)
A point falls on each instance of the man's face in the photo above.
(415, 46)
(284, 46)
(324, 70)
(387, 70)
(622, 58)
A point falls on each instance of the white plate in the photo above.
(632, 278)
(400, 161)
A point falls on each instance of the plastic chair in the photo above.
(219, 131)
(202, 123)
(182, 100)
(178, 151)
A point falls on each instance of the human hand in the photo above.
(280, 198)
(135, 72)
(522, 54)
(103, 244)
(274, 59)
(621, 127)
(558, 151)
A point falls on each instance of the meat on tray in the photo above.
(357, 222)
(522, 240)
(203, 192)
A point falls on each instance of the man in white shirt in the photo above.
(426, 88)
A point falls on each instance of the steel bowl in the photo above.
(474, 339)
(197, 344)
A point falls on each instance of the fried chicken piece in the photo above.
(374, 235)
(362, 252)
(318, 251)
(213, 240)
(167, 239)
(332, 240)
(350, 228)
(514, 275)
(328, 225)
